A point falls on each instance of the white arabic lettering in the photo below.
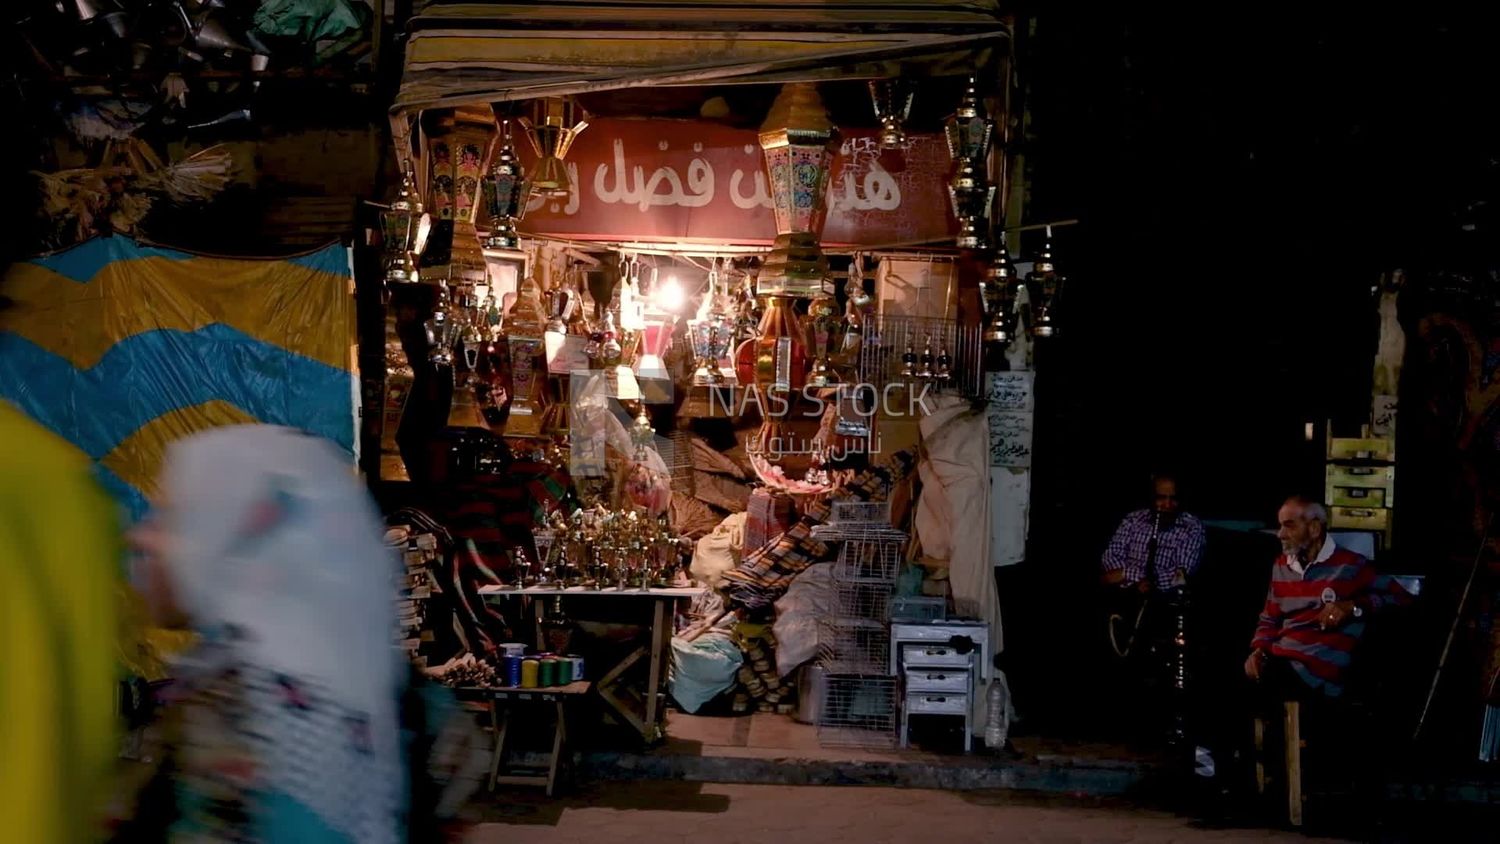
(632, 187)
(761, 197)
(619, 183)
(882, 192)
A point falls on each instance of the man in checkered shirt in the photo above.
(1162, 538)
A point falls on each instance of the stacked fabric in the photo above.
(761, 684)
(768, 516)
(764, 575)
(414, 589)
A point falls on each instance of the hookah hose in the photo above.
(1114, 618)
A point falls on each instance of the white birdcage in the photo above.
(859, 710)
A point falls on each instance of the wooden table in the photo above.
(645, 718)
(500, 703)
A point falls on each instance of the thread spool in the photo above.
(529, 671)
(513, 670)
(547, 674)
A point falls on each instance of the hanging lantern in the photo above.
(524, 328)
(1045, 284)
(552, 127)
(798, 140)
(970, 131)
(972, 197)
(456, 144)
(404, 227)
(892, 99)
(823, 324)
(711, 333)
(997, 298)
(506, 194)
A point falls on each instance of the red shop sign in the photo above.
(677, 181)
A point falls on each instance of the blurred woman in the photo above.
(265, 544)
(59, 572)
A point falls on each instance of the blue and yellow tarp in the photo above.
(122, 347)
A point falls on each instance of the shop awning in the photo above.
(465, 52)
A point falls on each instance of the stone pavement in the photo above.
(708, 813)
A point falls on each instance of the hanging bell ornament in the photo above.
(1045, 284)
(892, 99)
(552, 127)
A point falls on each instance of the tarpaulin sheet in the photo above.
(122, 347)
(475, 52)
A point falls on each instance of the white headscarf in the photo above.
(272, 535)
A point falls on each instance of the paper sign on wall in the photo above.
(1010, 438)
(1008, 390)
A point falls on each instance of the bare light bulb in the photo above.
(670, 296)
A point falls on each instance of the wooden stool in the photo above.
(1292, 735)
(500, 704)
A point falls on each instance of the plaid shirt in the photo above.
(1178, 547)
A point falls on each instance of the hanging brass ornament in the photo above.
(553, 125)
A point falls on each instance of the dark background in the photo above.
(1242, 181)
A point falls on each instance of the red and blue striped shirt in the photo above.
(1289, 627)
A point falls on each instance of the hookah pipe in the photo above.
(1151, 546)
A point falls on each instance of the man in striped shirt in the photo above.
(1316, 608)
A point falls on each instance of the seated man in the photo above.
(1319, 599)
(1148, 561)
(1156, 547)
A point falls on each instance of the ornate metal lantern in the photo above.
(997, 295)
(553, 125)
(970, 133)
(1045, 284)
(507, 196)
(892, 99)
(798, 140)
(524, 330)
(404, 227)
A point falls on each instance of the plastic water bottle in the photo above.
(997, 721)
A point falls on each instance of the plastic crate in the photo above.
(918, 608)
(873, 513)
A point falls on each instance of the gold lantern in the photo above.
(799, 141)
(552, 127)
(997, 296)
(507, 195)
(1044, 285)
(524, 330)
(404, 227)
(892, 99)
(970, 132)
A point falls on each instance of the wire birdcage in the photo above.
(862, 600)
(854, 645)
(859, 710)
(870, 559)
(886, 339)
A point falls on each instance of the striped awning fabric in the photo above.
(464, 52)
